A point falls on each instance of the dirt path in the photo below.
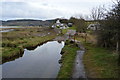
(65, 36)
(62, 38)
(78, 70)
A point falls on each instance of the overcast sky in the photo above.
(47, 9)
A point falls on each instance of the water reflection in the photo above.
(7, 30)
(11, 27)
(41, 62)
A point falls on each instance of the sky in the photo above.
(47, 9)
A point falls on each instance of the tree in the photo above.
(116, 15)
(98, 13)
(79, 23)
(109, 35)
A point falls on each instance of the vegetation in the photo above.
(100, 58)
(68, 57)
(109, 35)
(99, 62)
(27, 22)
(80, 24)
(73, 27)
(70, 28)
(64, 31)
(13, 43)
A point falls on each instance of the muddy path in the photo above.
(65, 36)
(78, 70)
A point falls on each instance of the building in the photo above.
(94, 27)
(60, 25)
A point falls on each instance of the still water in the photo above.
(11, 27)
(41, 62)
(8, 30)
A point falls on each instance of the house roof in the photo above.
(58, 21)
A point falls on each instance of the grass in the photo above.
(73, 28)
(68, 58)
(99, 62)
(13, 43)
(70, 28)
(64, 31)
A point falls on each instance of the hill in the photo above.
(27, 22)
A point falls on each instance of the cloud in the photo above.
(56, 1)
(47, 9)
(26, 10)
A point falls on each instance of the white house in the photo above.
(60, 25)
(94, 26)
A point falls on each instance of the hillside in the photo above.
(27, 22)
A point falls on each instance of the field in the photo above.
(14, 42)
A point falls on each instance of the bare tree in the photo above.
(98, 13)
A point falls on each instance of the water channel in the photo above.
(42, 62)
(8, 28)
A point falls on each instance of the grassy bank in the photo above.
(99, 62)
(68, 57)
(13, 43)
